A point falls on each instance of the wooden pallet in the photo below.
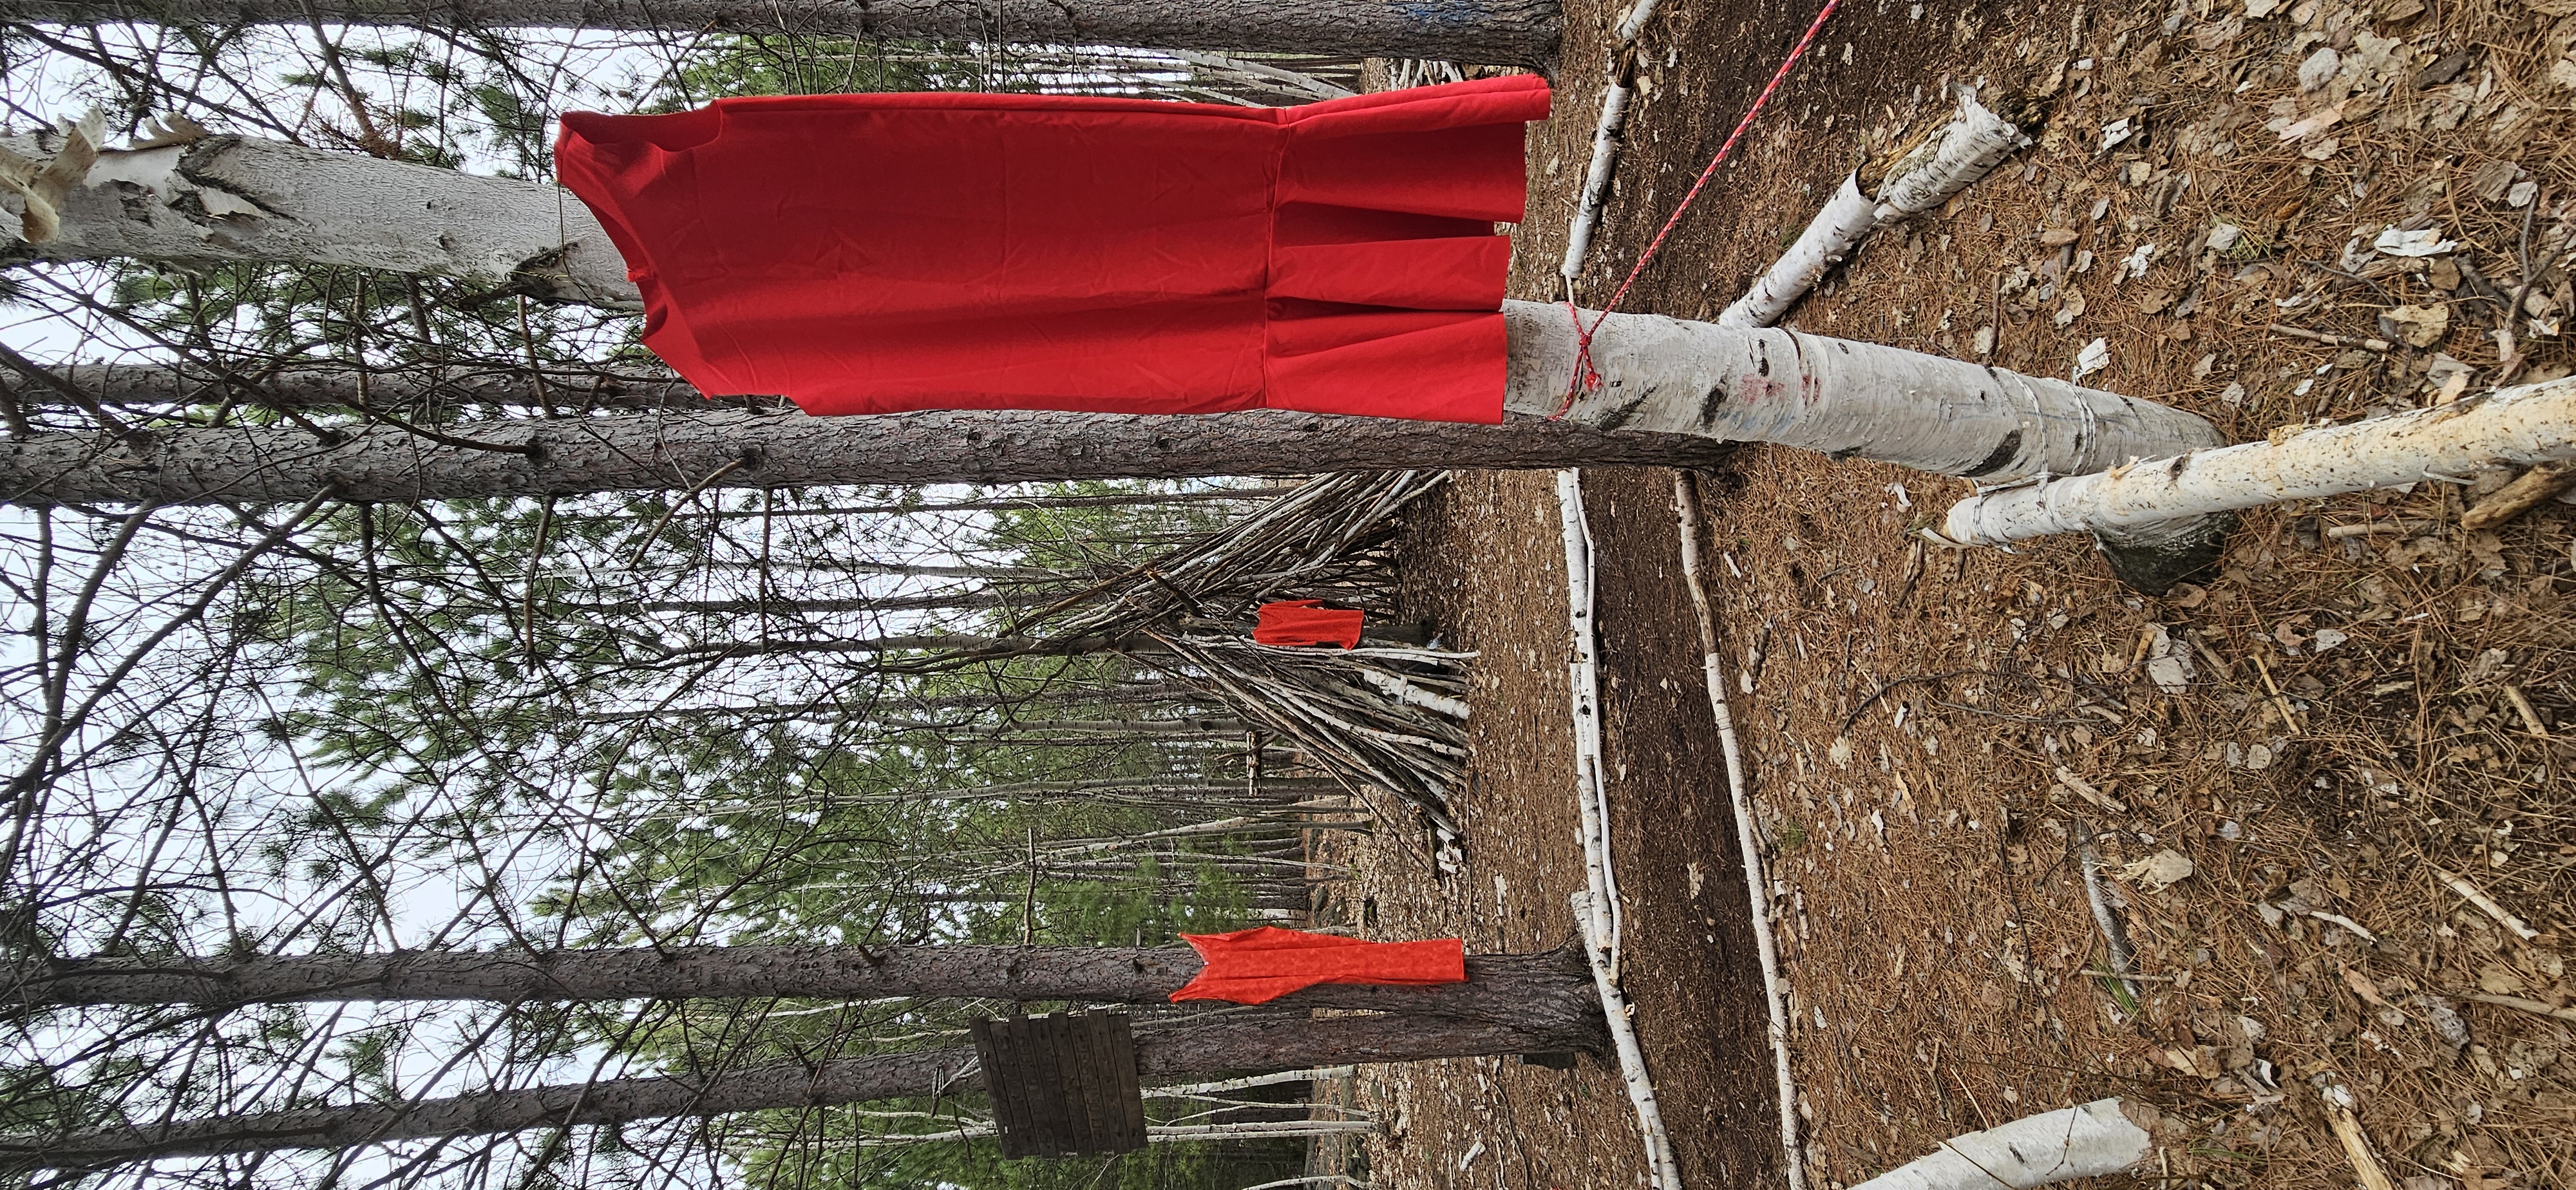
(1063, 1085)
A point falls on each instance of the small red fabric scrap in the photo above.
(1260, 965)
(874, 253)
(1299, 622)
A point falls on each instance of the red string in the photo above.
(1586, 377)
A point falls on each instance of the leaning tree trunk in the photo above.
(1655, 373)
(1255, 1043)
(1496, 32)
(1530, 990)
(1846, 399)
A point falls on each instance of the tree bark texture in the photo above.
(404, 391)
(2522, 426)
(597, 454)
(1491, 32)
(1249, 1044)
(1507, 988)
(230, 198)
(1843, 398)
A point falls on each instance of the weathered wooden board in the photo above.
(1063, 1085)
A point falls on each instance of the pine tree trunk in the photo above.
(421, 390)
(1252, 1043)
(1492, 32)
(597, 454)
(1517, 989)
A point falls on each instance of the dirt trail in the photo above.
(2364, 697)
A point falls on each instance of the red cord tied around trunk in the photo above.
(1586, 377)
(1258, 966)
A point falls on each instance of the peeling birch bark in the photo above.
(1969, 147)
(2514, 427)
(2106, 1136)
(42, 186)
(1846, 399)
(228, 198)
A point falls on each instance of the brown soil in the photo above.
(1934, 734)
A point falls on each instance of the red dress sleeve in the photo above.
(874, 253)
(1260, 965)
(1299, 622)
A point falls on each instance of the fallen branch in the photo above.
(1966, 149)
(1583, 682)
(2478, 897)
(2519, 1004)
(1663, 1173)
(2356, 1144)
(1607, 132)
(2514, 427)
(1747, 842)
(2529, 490)
(2106, 1136)
(1596, 908)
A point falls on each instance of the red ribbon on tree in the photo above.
(1299, 622)
(1257, 966)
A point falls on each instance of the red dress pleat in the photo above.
(875, 253)
(1299, 622)
(1260, 965)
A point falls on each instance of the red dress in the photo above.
(1257, 966)
(873, 253)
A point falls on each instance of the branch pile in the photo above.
(1381, 716)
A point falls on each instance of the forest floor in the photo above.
(2365, 696)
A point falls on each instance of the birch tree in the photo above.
(1495, 32)
(1723, 383)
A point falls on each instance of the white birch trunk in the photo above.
(1596, 179)
(1832, 395)
(1969, 147)
(1583, 683)
(2095, 1139)
(2515, 427)
(227, 198)
(1848, 218)
(1596, 909)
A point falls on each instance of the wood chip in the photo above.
(2471, 893)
